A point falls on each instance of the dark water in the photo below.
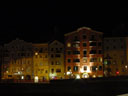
(82, 87)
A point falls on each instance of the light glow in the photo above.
(77, 76)
(22, 77)
(36, 79)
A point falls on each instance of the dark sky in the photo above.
(49, 20)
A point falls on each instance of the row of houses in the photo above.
(84, 54)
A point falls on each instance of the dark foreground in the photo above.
(83, 87)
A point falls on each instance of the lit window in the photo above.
(75, 68)
(68, 44)
(36, 53)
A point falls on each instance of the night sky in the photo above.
(51, 20)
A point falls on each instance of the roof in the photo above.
(81, 28)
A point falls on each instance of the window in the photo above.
(114, 47)
(94, 68)
(85, 68)
(76, 60)
(100, 51)
(84, 36)
(85, 60)
(100, 68)
(76, 52)
(85, 53)
(76, 38)
(40, 56)
(69, 60)
(52, 55)
(75, 68)
(41, 50)
(68, 44)
(93, 52)
(69, 68)
(84, 45)
(52, 63)
(52, 49)
(93, 60)
(107, 47)
(58, 70)
(76, 45)
(93, 44)
(69, 52)
(52, 70)
(58, 63)
(58, 55)
(99, 44)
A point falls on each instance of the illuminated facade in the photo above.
(34, 62)
(56, 60)
(40, 62)
(83, 53)
(115, 56)
(17, 60)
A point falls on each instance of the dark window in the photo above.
(58, 70)
(69, 60)
(58, 55)
(94, 68)
(93, 60)
(114, 47)
(93, 52)
(100, 51)
(41, 50)
(52, 70)
(100, 68)
(76, 52)
(76, 60)
(84, 36)
(52, 49)
(69, 68)
(84, 53)
(107, 47)
(93, 44)
(52, 63)
(84, 45)
(99, 44)
(69, 52)
(75, 68)
(52, 55)
(85, 68)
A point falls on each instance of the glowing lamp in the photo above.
(77, 76)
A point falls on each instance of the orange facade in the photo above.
(83, 53)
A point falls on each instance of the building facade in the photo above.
(40, 62)
(83, 53)
(56, 60)
(115, 56)
(36, 62)
(17, 60)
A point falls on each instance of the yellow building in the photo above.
(115, 56)
(33, 62)
(17, 60)
(40, 61)
(56, 60)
